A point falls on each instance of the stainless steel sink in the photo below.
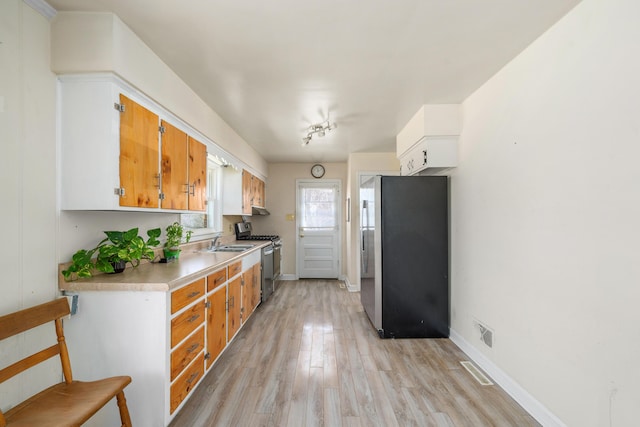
(228, 248)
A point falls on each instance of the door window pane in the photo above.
(318, 207)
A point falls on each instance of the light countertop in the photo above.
(156, 276)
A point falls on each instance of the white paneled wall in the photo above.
(28, 259)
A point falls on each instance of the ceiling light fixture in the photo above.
(319, 129)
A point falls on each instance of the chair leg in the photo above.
(124, 411)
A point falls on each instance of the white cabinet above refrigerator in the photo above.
(429, 141)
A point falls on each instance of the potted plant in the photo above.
(113, 253)
(175, 235)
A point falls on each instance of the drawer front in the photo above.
(216, 279)
(186, 295)
(187, 322)
(187, 382)
(188, 350)
(235, 268)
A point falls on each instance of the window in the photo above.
(318, 206)
(210, 221)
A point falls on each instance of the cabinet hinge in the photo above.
(207, 356)
(207, 304)
(119, 107)
(161, 196)
(119, 191)
(242, 282)
(162, 129)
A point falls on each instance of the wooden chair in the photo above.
(70, 403)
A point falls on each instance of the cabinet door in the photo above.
(174, 167)
(197, 175)
(139, 175)
(246, 192)
(235, 306)
(257, 284)
(216, 324)
(262, 193)
(247, 294)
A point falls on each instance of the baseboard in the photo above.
(350, 286)
(536, 409)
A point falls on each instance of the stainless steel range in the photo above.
(271, 256)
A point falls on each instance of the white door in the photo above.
(318, 221)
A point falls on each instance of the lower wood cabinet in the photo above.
(235, 306)
(187, 382)
(166, 341)
(216, 323)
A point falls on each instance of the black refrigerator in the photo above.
(404, 265)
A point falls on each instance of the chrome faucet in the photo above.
(214, 243)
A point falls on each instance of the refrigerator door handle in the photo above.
(364, 227)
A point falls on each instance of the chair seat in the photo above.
(66, 404)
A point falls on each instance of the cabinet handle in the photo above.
(424, 154)
(192, 192)
(187, 188)
(193, 294)
(157, 178)
(193, 348)
(193, 318)
(231, 302)
(193, 377)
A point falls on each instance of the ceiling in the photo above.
(272, 68)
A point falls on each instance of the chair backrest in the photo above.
(23, 320)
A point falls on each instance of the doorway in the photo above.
(318, 213)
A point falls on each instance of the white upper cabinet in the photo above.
(111, 150)
(429, 141)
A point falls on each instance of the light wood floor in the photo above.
(310, 357)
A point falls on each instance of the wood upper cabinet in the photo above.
(175, 146)
(113, 155)
(197, 175)
(247, 198)
(139, 176)
(184, 170)
(242, 190)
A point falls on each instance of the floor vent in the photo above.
(477, 373)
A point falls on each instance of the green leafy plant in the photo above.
(175, 235)
(118, 247)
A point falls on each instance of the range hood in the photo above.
(256, 210)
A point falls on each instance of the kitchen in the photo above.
(530, 154)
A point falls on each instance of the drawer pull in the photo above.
(192, 348)
(193, 294)
(193, 318)
(193, 377)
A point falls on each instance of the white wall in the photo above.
(28, 192)
(546, 217)
(281, 200)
